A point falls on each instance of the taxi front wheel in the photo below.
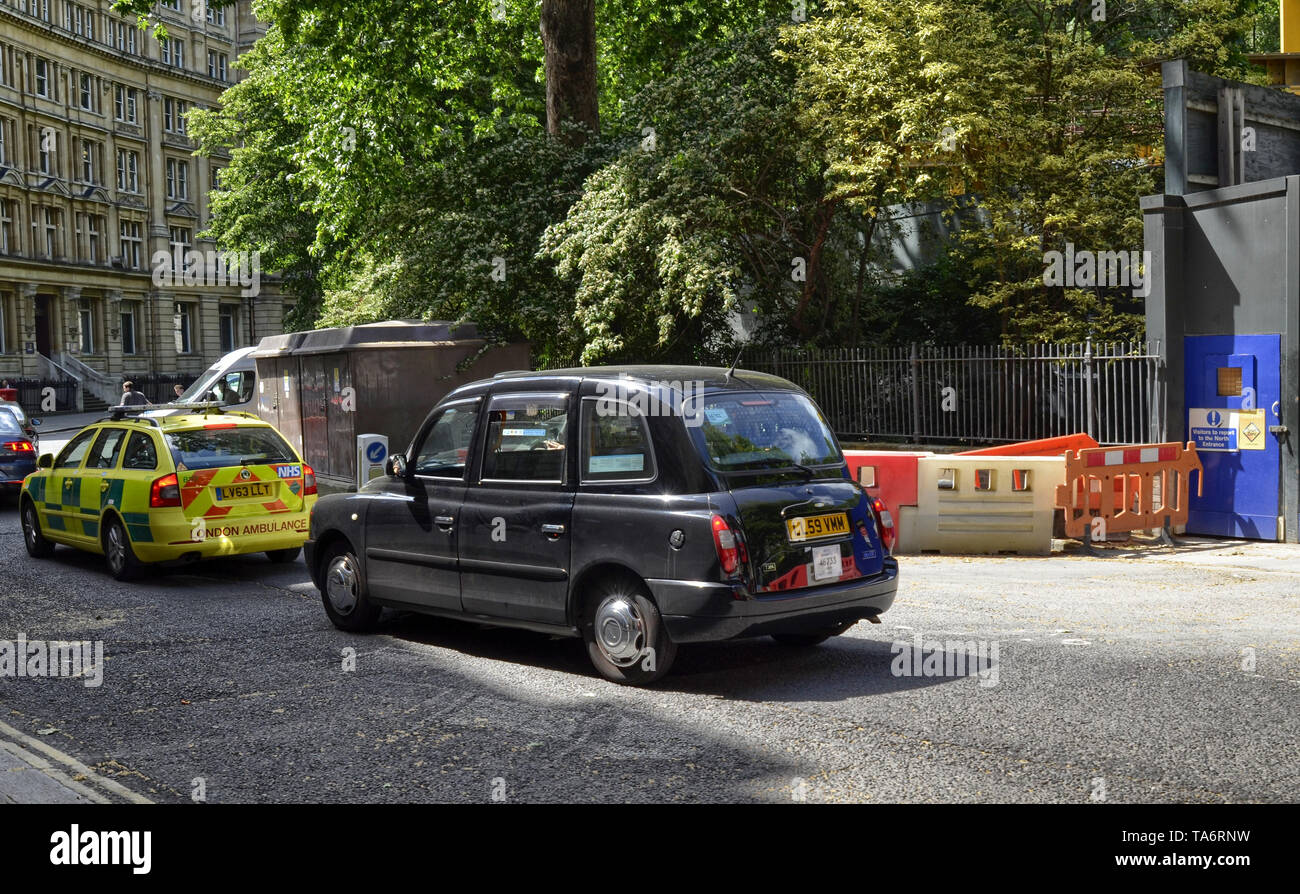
(343, 591)
(119, 556)
(37, 546)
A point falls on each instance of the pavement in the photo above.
(1148, 675)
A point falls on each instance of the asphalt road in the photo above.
(1119, 679)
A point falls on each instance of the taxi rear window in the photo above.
(215, 448)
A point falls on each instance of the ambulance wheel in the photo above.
(118, 555)
(343, 590)
(283, 556)
(37, 546)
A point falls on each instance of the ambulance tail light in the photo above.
(308, 480)
(165, 491)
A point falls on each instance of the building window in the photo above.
(174, 5)
(123, 35)
(46, 223)
(86, 323)
(128, 166)
(184, 322)
(128, 327)
(216, 16)
(8, 209)
(41, 9)
(179, 240)
(173, 52)
(90, 151)
(124, 103)
(216, 65)
(130, 237)
(85, 93)
(43, 78)
(92, 222)
(227, 328)
(6, 126)
(178, 174)
(48, 143)
(174, 115)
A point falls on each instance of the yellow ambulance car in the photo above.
(141, 490)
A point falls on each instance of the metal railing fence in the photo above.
(981, 394)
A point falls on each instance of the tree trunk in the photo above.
(569, 37)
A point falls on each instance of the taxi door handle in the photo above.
(103, 485)
(445, 522)
(552, 531)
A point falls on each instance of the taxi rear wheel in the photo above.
(118, 555)
(343, 592)
(37, 546)
(283, 556)
(625, 634)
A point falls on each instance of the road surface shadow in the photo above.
(842, 668)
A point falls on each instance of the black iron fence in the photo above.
(35, 399)
(159, 388)
(981, 394)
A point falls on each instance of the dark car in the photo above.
(636, 507)
(17, 454)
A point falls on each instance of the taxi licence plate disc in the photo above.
(814, 527)
(826, 562)
(255, 491)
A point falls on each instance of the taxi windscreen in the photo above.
(751, 431)
(214, 448)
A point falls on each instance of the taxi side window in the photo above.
(615, 443)
(72, 455)
(107, 446)
(140, 452)
(526, 437)
(445, 449)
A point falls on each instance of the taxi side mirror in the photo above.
(395, 465)
(45, 461)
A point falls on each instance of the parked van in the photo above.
(231, 382)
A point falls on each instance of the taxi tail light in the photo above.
(165, 491)
(18, 446)
(884, 524)
(308, 480)
(727, 544)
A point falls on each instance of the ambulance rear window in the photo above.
(215, 448)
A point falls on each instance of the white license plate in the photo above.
(826, 562)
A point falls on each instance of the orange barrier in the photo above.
(1041, 447)
(1152, 482)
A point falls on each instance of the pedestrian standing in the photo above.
(131, 397)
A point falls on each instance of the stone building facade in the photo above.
(97, 178)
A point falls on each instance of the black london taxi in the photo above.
(636, 507)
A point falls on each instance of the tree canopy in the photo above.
(741, 167)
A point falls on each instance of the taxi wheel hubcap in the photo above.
(341, 584)
(620, 630)
(29, 525)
